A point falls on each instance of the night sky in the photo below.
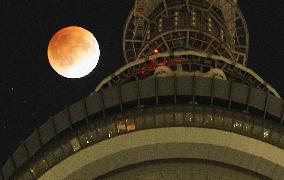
(31, 92)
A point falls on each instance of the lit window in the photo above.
(148, 34)
(246, 127)
(178, 116)
(75, 144)
(193, 14)
(121, 126)
(209, 24)
(87, 141)
(44, 164)
(222, 34)
(32, 171)
(209, 118)
(160, 25)
(176, 18)
(130, 125)
(237, 125)
(188, 116)
(266, 133)
(111, 129)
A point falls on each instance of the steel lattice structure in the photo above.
(213, 27)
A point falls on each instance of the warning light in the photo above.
(156, 51)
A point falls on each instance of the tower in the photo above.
(184, 106)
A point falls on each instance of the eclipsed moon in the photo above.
(73, 52)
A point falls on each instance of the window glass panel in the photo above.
(160, 120)
(219, 119)
(281, 142)
(237, 123)
(103, 133)
(67, 149)
(130, 124)
(169, 116)
(228, 121)
(50, 159)
(93, 135)
(159, 117)
(237, 126)
(198, 117)
(84, 139)
(111, 128)
(247, 128)
(257, 130)
(139, 119)
(19, 177)
(32, 172)
(266, 133)
(59, 154)
(275, 135)
(169, 119)
(149, 118)
(75, 144)
(140, 122)
(208, 117)
(121, 126)
(149, 121)
(188, 116)
(27, 175)
(39, 167)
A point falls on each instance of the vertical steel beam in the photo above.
(138, 93)
(13, 162)
(23, 144)
(54, 126)
(212, 90)
(157, 90)
(86, 109)
(120, 99)
(265, 105)
(69, 118)
(39, 137)
(230, 95)
(282, 113)
(248, 98)
(193, 89)
(175, 88)
(166, 8)
(102, 103)
(193, 97)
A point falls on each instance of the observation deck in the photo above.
(155, 103)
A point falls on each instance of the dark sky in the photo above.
(31, 92)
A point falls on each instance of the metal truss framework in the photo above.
(196, 25)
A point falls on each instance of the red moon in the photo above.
(73, 52)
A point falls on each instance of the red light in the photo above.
(156, 51)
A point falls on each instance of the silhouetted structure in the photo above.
(185, 106)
